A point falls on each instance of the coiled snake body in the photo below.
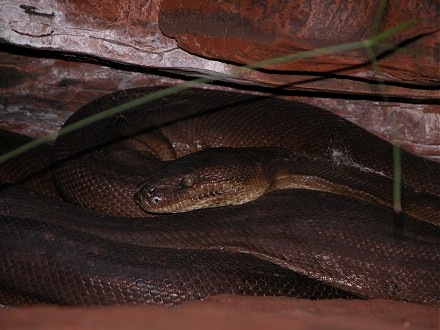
(330, 231)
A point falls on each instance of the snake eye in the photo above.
(150, 191)
(189, 180)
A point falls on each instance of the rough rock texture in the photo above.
(233, 312)
(130, 31)
(129, 36)
(39, 92)
(256, 31)
(123, 31)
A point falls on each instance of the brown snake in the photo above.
(338, 238)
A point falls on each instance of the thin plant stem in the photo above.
(397, 165)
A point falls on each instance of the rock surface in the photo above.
(233, 312)
(194, 37)
(39, 92)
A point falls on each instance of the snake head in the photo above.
(208, 178)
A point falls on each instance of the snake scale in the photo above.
(303, 207)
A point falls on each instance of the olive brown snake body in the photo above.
(306, 241)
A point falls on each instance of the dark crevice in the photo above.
(278, 90)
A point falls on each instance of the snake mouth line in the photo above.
(208, 195)
(179, 202)
(200, 201)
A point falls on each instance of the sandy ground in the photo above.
(232, 312)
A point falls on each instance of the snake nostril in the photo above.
(155, 200)
(150, 191)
